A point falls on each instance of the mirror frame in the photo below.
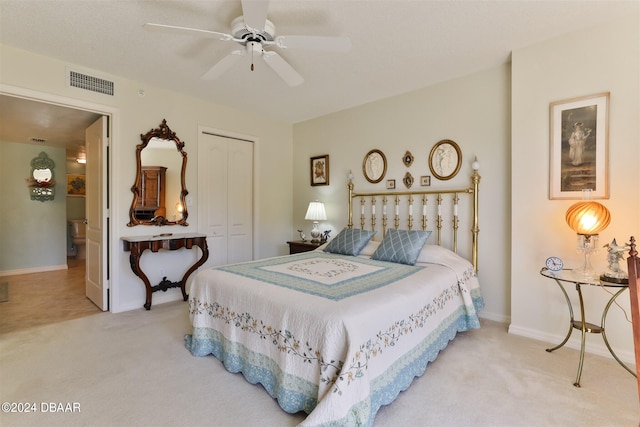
(162, 132)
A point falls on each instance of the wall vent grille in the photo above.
(87, 82)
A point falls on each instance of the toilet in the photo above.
(78, 237)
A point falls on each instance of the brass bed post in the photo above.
(373, 213)
(350, 187)
(475, 181)
(439, 220)
(384, 216)
(424, 212)
(410, 217)
(456, 198)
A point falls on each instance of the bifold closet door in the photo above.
(225, 197)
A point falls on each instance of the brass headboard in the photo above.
(415, 206)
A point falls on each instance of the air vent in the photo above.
(92, 83)
(38, 140)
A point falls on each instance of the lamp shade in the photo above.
(588, 217)
(316, 212)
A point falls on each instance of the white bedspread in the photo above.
(334, 336)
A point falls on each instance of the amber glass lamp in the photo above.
(587, 218)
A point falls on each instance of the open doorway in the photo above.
(21, 122)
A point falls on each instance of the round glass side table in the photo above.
(570, 277)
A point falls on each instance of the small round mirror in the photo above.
(42, 175)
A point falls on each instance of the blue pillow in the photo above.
(401, 246)
(349, 241)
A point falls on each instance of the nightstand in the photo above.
(571, 278)
(298, 246)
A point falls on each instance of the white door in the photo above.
(240, 201)
(96, 214)
(225, 197)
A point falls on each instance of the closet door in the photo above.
(225, 197)
(240, 201)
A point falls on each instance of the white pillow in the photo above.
(369, 249)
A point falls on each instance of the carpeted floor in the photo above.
(132, 369)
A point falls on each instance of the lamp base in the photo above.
(587, 245)
(315, 233)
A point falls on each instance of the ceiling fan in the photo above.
(255, 32)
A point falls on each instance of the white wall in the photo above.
(600, 59)
(44, 247)
(134, 114)
(473, 111)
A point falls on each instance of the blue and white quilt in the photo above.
(331, 335)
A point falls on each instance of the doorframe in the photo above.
(113, 115)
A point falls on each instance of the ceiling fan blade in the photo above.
(329, 44)
(187, 31)
(282, 68)
(255, 13)
(223, 65)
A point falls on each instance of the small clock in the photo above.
(553, 263)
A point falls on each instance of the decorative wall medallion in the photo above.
(408, 180)
(445, 159)
(374, 166)
(407, 159)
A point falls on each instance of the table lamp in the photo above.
(316, 213)
(587, 218)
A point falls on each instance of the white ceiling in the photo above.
(398, 45)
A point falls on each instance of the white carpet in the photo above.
(132, 369)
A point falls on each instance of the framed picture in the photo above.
(445, 159)
(320, 170)
(425, 181)
(578, 149)
(76, 185)
(391, 184)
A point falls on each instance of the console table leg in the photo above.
(202, 244)
(134, 260)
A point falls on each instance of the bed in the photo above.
(340, 331)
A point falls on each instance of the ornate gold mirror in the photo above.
(159, 192)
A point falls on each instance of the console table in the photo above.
(168, 241)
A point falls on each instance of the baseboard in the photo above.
(592, 346)
(157, 298)
(33, 270)
(501, 318)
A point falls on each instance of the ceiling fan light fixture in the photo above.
(240, 30)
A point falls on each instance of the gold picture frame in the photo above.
(579, 147)
(320, 170)
(76, 185)
(445, 159)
